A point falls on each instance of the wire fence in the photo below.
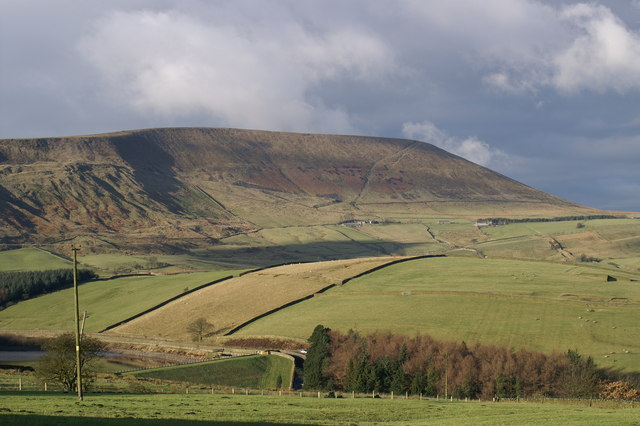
(133, 385)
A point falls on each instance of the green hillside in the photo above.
(539, 305)
(29, 259)
(254, 371)
(106, 302)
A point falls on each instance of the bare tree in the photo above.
(58, 364)
(199, 328)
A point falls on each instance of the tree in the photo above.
(317, 361)
(58, 364)
(199, 328)
(580, 379)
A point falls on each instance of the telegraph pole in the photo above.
(77, 316)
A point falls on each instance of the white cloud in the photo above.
(605, 56)
(472, 148)
(172, 64)
(592, 50)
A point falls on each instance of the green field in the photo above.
(106, 302)
(254, 371)
(612, 240)
(515, 303)
(29, 259)
(35, 409)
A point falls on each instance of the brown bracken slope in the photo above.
(201, 184)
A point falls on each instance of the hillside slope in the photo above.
(200, 184)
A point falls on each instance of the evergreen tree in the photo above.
(317, 360)
(581, 377)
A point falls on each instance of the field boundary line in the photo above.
(271, 311)
(322, 290)
(159, 305)
(385, 265)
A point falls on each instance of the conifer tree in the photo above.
(317, 361)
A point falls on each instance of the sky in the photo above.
(545, 92)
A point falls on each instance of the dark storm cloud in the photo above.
(545, 92)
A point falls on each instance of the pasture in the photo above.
(253, 371)
(106, 301)
(233, 302)
(28, 259)
(612, 240)
(33, 409)
(514, 303)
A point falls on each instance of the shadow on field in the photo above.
(37, 420)
(310, 252)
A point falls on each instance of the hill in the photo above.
(181, 188)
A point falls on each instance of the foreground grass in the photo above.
(258, 371)
(97, 409)
(539, 305)
(106, 302)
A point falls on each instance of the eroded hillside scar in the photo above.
(367, 177)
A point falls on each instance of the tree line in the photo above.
(421, 365)
(22, 285)
(505, 221)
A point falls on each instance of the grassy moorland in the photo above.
(539, 305)
(36, 409)
(254, 371)
(106, 302)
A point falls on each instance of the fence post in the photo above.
(19, 383)
(391, 394)
(45, 386)
(318, 394)
(246, 391)
(406, 395)
(233, 391)
(353, 394)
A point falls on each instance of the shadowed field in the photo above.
(255, 371)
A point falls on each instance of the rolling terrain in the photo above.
(213, 202)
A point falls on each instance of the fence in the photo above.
(28, 383)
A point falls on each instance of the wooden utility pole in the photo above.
(446, 374)
(77, 317)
